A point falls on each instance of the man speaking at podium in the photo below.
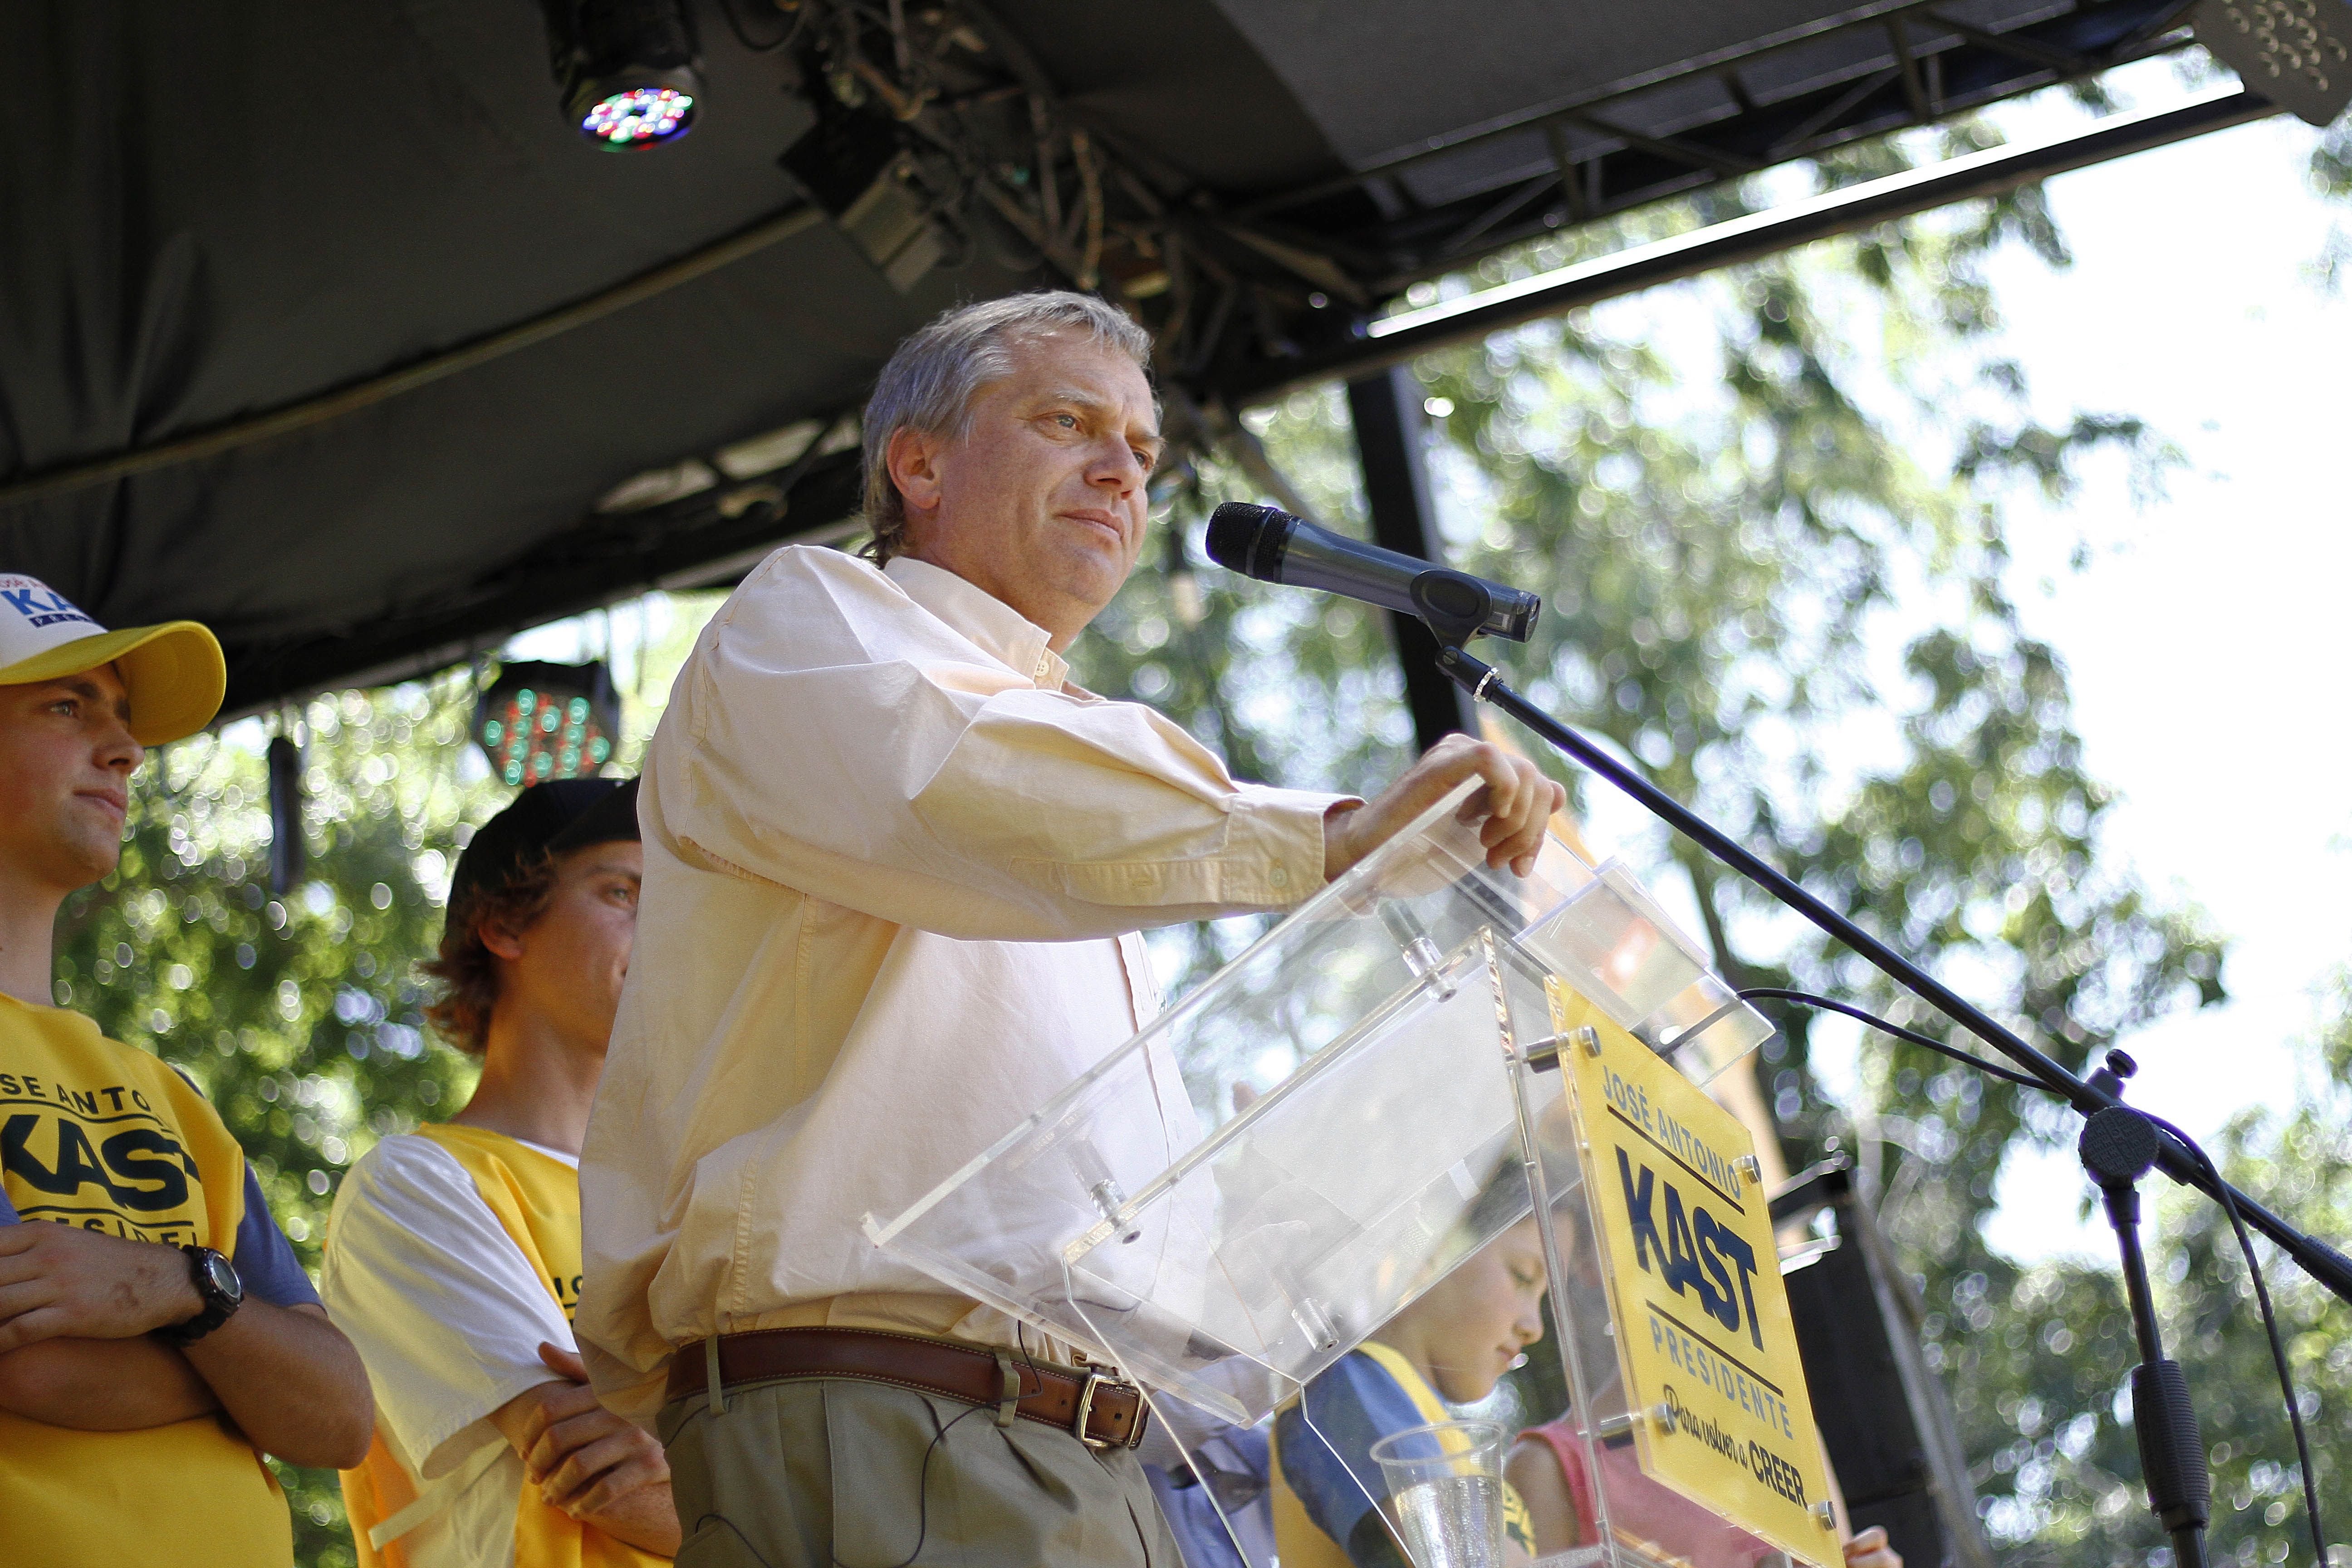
(895, 865)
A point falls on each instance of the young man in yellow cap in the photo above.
(453, 1261)
(157, 1337)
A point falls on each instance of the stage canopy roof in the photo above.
(319, 324)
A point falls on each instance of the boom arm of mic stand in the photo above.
(2318, 1259)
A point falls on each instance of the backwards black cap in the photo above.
(545, 819)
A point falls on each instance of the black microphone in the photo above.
(1275, 547)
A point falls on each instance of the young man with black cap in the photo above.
(453, 1260)
(158, 1336)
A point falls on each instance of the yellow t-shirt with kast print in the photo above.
(97, 1134)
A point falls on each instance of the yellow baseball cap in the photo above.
(174, 671)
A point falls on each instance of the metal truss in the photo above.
(1240, 293)
(1877, 69)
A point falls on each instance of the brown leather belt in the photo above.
(1099, 1410)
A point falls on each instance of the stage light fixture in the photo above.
(2297, 53)
(628, 69)
(855, 164)
(541, 721)
(637, 115)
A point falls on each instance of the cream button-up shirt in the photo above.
(894, 870)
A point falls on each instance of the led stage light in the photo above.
(541, 721)
(628, 69)
(639, 114)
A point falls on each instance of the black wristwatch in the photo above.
(223, 1292)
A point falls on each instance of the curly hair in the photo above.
(934, 376)
(465, 965)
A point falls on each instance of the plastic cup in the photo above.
(1445, 1486)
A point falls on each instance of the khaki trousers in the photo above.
(839, 1473)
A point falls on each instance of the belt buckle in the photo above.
(1086, 1409)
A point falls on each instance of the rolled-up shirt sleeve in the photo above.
(891, 772)
(446, 1312)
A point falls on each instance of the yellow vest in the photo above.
(537, 1198)
(1298, 1542)
(97, 1134)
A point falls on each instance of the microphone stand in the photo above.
(2117, 1147)
(2127, 1146)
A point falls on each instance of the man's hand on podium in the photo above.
(1514, 805)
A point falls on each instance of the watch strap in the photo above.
(217, 1304)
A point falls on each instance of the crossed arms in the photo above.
(77, 1308)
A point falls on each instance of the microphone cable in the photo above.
(1829, 1005)
(2205, 1161)
(2269, 1326)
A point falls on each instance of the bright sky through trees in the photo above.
(2205, 637)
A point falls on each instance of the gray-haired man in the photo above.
(895, 866)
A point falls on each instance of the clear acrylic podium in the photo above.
(1252, 1187)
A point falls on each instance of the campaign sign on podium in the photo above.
(1368, 1098)
(1709, 1356)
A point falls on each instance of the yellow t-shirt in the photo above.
(97, 1134)
(1320, 1494)
(536, 1200)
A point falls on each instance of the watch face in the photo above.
(223, 1278)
